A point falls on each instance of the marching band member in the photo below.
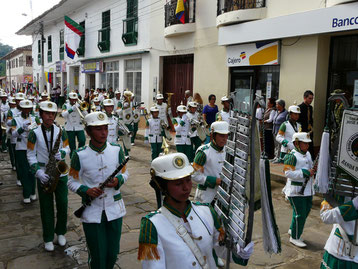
(208, 163)
(73, 125)
(108, 107)
(287, 129)
(126, 116)
(21, 126)
(193, 133)
(97, 104)
(11, 141)
(182, 128)
(225, 113)
(154, 132)
(90, 166)
(136, 119)
(181, 234)
(40, 144)
(298, 167)
(117, 100)
(340, 251)
(4, 109)
(163, 107)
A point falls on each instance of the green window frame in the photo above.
(104, 38)
(81, 49)
(39, 52)
(130, 24)
(49, 49)
(62, 45)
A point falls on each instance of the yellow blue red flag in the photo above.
(180, 11)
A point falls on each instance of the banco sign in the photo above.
(344, 22)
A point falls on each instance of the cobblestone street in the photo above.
(21, 243)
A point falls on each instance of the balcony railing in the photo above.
(130, 31)
(170, 8)
(232, 5)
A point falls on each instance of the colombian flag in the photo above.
(180, 11)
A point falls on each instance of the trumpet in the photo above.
(83, 105)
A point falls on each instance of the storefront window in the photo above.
(110, 76)
(343, 73)
(133, 77)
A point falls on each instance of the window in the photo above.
(17, 64)
(130, 24)
(62, 45)
(39, 52)
(133, 77)
(28, 61)
(21, 61)
(110, 76)
(49, 49)
(81, 48)
(104, 33)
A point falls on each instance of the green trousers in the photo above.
(195, 144)
(24, 174)
(11, 148)
(301, 208)
(331, 262)
(186, 149)
(72, 139)
(3, 142)
(135, 130)
(48, 213)
(156, 149)
(103, 242)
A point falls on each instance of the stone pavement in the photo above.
(21, 243)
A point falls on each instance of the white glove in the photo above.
(58, 156)
(74, 107)
(26, 125)
(355, 202)
(40, 174)
(246, 252)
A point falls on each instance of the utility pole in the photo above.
(42, 74)
(10, 90)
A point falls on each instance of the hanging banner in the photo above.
(258, 53)
(92, 67)
(348, 144)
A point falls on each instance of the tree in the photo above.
(4, 49)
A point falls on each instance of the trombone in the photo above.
(82, 106)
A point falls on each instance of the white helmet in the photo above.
(171, 167)
(301, 136)
(12, 100)
(294, 109)
(48, 106)
(73, 95)
(224, 99)
(108, 102)
(220, 127)
(96, 99)
(192, 104)
(182, 108)
(95, 93)
(19, 96)
(3, 94)
(159, 96)
(96, 119)
(31, 97)
(154, 109)
(44, 94)
(117, 92)
(25, 104)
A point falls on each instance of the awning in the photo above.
(115, 55)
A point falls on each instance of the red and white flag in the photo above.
(72, 36)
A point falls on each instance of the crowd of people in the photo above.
(36, 144)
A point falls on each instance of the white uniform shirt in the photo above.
(225, 115)
(182, 127)
(73, 118)
(112, 129)
(295, 176)
(15, 113)
(194, 116)
(95, 168)
(163, 112)
(17, 126)
(285, 133)
(335, 244)
(154, 131)
(207, 171)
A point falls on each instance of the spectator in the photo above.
(279, 117)
(268, 126)
(306, 117)
(188, 98)
(209, 113)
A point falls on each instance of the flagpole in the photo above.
(42, 74)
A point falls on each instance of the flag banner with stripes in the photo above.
(72, 35)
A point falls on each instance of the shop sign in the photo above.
(27, 79)
(92, 67)
(60, 66)
(348, 144)
(258, 53)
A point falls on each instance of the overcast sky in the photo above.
(17, 13)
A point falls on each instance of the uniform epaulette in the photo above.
(199, 203)
(115, 144)
(151, 214)
(203, 147)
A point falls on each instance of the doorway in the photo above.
(242, 86)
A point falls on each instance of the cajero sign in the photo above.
(348, 144)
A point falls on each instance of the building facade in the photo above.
(282, 48)
(18, 68)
